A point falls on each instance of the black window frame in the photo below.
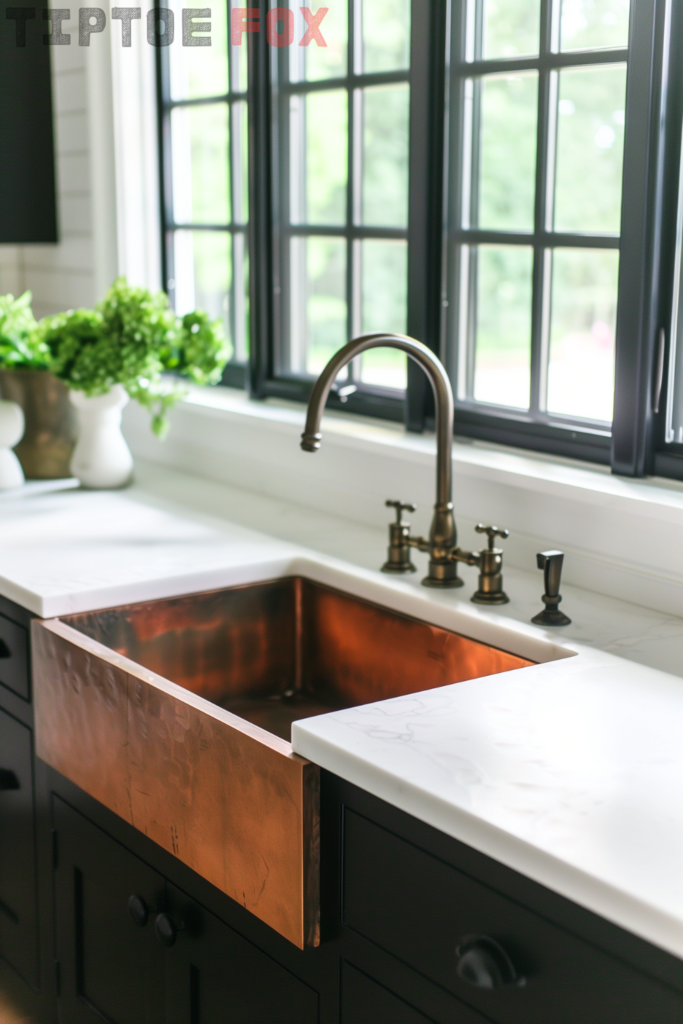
(652, 142)
(424, 220)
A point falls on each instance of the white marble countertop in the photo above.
(570, 771)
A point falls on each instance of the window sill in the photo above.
(621, 536)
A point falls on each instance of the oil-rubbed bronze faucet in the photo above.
(442, 547)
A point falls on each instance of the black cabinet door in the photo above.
(214, 975)
(110, 967)
(18, 922)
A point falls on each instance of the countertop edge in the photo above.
(592, 893)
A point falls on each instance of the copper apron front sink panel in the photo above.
(117, 712)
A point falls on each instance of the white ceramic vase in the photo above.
(11, 433)
(101, 458)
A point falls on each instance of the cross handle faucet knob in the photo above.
(492, 532)
(401, 507)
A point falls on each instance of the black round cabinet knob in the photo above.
(483, 963)
(138, 910)
(165, 929)
(8, 779)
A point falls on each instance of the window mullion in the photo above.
(425, 195)
(353, 178)
(545, 138)
(641, 219)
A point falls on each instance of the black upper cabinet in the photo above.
(28, 211)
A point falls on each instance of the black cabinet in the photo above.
(521, 968)
(14, 657)
(140, 939)
(109, 965)
(18, 917)
(214, 975)
(134, 949)
(365, 1001)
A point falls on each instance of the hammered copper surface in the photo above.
(231, 801)
(279, 651)
(176, 714)
(49, 439)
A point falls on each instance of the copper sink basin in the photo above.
(177, 713)
(276, 652)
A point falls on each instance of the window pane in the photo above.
(503, 324)
(203, 274)
(238, 61)
(241, 297)
(385, 156)
(590, 149)
(386, 34)
(201, 175)
(582, 326)
(240, 162)
(198, 71)
(313, 62)
(508, 151)
(318, 324)
(384, 269)
(511, 28)
(593, 24)
(674, 398)
(318, 157)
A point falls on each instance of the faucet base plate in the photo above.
(397, 568)
(551, 617)
(481, 597)
(429, 581)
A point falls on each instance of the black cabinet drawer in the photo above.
(18, 920)
(14, 657)
(419, 908)
(365, 1001)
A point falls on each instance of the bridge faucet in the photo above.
(442, 547)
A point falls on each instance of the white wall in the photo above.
(107, 185)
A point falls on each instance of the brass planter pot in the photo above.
(47, 445)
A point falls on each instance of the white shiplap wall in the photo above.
(107, 196)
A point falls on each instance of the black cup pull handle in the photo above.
(138, 910)
(483, 963)
(167, 930)
(8, 779)
(4, 650)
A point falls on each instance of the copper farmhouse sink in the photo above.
(177, 713)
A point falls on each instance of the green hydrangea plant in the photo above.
(20, 348)
(131, 338)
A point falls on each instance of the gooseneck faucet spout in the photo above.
(444, 554)
(443, 397)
